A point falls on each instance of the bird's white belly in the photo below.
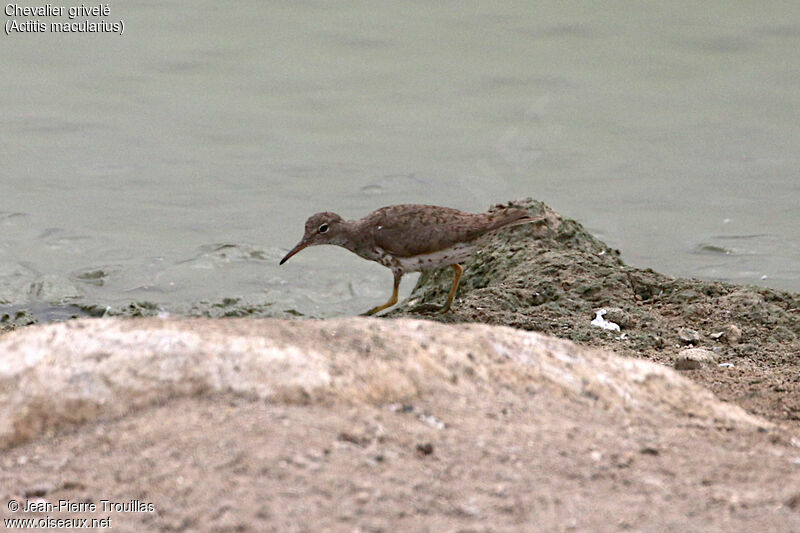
(450, 256)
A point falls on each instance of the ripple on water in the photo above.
(95, 275)
(738, 245)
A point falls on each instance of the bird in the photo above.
(411, 238)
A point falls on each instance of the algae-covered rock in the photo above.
(223, 308)
(553, 277)
(14, 319)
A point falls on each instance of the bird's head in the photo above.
(322, 228)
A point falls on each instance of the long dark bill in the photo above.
(293, 251)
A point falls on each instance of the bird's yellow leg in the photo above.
(392, 300)
(457, 271)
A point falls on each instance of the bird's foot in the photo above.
(375, 310)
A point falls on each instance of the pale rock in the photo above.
(688, 336)
(58, 376)
(733, 334)
(694, 358)
(730, 334)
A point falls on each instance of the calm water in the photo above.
(177, 162)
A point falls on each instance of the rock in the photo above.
(619, 316)
(731, 335)
(16, 319)
(61, 375)
(688, 336)
(694, 358)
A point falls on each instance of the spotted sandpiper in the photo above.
(411, 238)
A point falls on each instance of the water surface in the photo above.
(176, 163)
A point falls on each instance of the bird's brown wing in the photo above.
(409, 230)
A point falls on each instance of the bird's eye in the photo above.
(323, 228)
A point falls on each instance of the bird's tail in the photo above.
(511, 217)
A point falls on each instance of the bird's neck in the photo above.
(353, 237)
